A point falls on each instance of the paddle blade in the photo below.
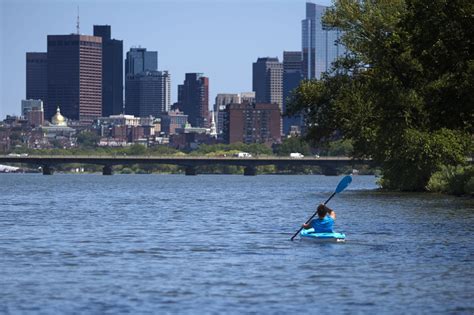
(343, 183)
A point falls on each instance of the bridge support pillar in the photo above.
(107, 170)
(47, 170)
(190, 171)
(250, 171)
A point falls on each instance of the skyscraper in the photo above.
(74, 76)
(292, 76)
(146, 89)
(319, 42)
(112, 71)
(148, 93)
(268, 81)
(37, 76)
(139, 60)
(193, 99)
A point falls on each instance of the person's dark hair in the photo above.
(322, 211)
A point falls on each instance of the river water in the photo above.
(213, 244)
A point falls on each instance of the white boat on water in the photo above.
(8, 169)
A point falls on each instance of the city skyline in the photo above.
(179, 50)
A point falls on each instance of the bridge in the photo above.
(190, 163)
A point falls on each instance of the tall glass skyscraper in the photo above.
(147, 90)
(37, 76)
(292, 76)
(139, 60)
(112, 71)
(320, 43)
(267, 75)
(193, 99)
(148, 93)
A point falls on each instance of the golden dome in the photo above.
(58, 119)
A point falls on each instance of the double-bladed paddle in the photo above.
(340, 187)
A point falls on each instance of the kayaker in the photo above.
(325, 221)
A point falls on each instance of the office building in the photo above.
(33, 111)
(120, 129)
(74, 76)
(173, 120)
(112, 71)
(292, 76)
(29, 105)
(253, 123)
(147, 90)
(247, 97)
(140, 60)
(193, 99)
(165, 91)
(148, 93)
(268, 81)
(118, 120)
(321, 44)
(35, 117)
(36, 76)
(222, 100)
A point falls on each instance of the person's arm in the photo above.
(307, 225)
(331, 213)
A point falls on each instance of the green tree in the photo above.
(403, 95)
(137, 149)
(87, 139)
(254, 149)
(293, 144)
(340, 148)
(163, 150)
(257, 149)
(56, 144)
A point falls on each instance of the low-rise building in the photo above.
(172, 120)
(118, 129)
(35, 117)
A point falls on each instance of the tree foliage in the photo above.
(339, 148)
(293, 144)
(404, 94)
(253, 148)
(137, 149)
(455, 180)
(87, 139)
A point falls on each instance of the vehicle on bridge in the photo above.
(296, 155)
(243, 155)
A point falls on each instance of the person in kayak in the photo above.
(325, 221)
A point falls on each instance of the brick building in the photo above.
(253, 123)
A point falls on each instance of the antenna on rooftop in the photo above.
(77, 23)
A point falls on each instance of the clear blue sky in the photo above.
(219, 38)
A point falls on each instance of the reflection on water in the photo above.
(220, 244)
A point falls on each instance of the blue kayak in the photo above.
(310, 235)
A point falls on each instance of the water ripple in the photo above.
(220, 244)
